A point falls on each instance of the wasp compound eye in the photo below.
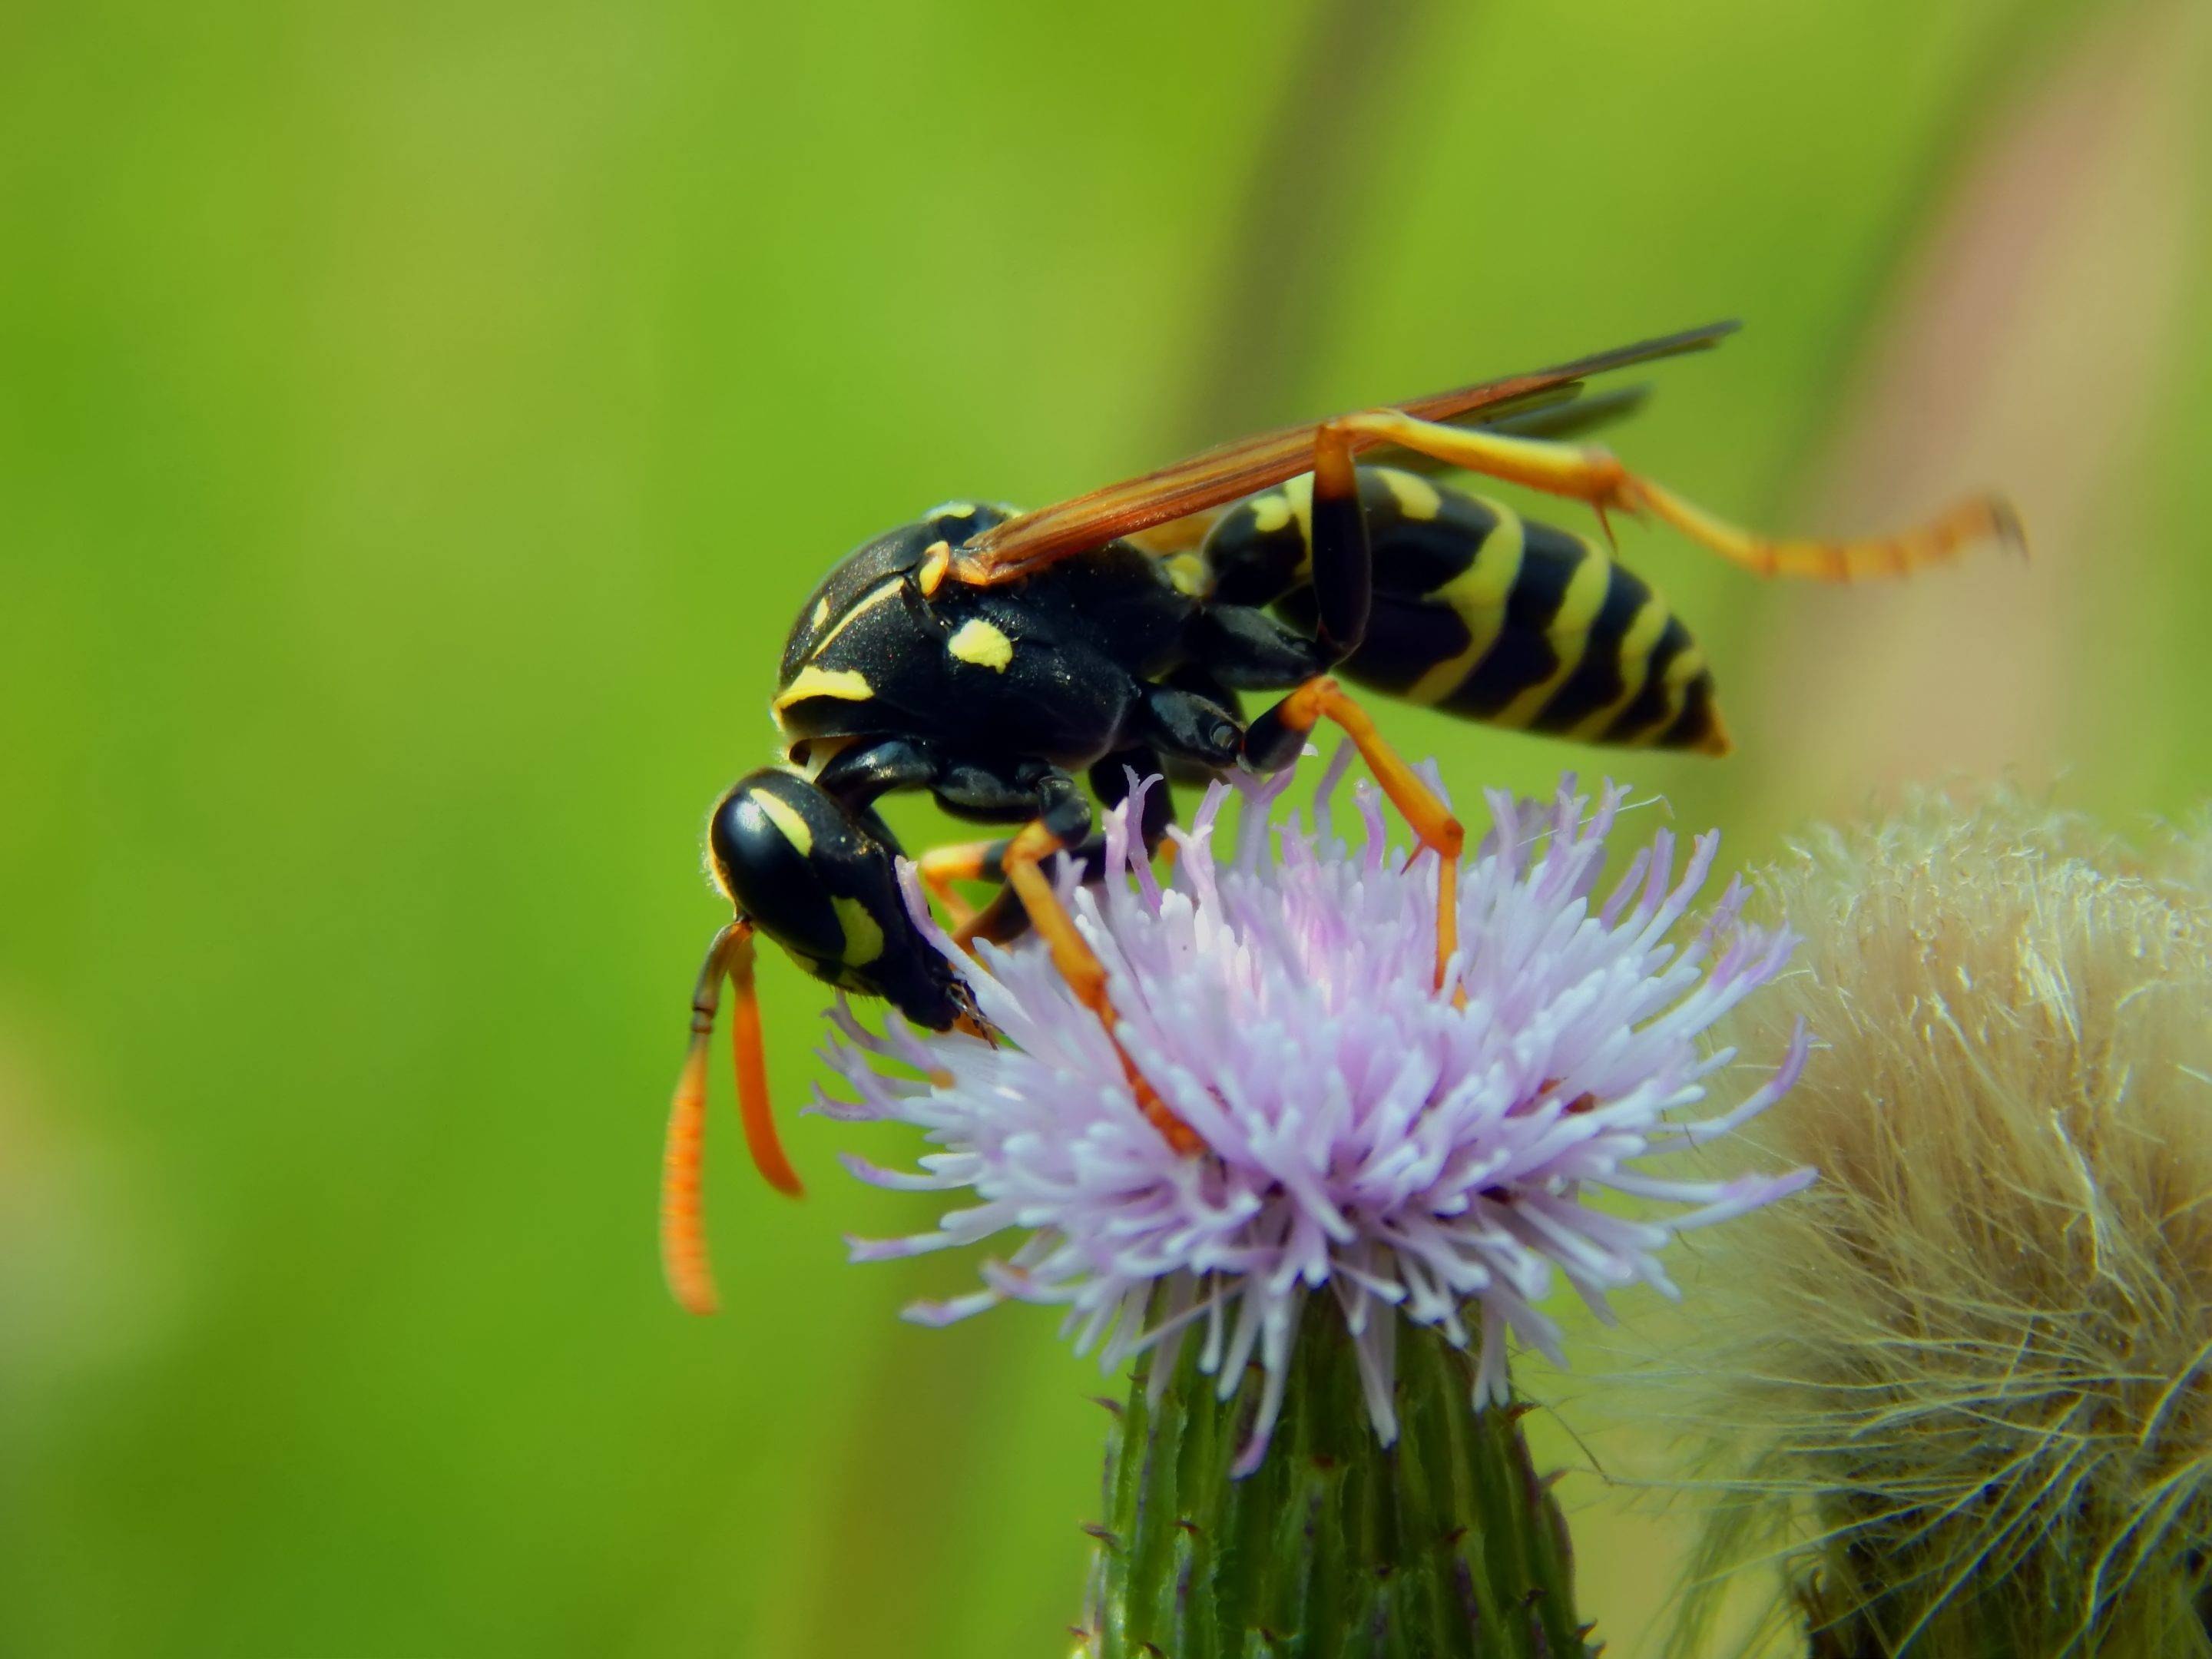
(808, 873)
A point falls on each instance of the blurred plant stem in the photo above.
(1446, 1544)
(1279, 278)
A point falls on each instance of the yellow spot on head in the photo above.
(785, 817)
(1417, 498)
(864, 939)
(846, 684)
(980, 643)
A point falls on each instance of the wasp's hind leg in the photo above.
(1277, 736)
(1343, 585)
(1586, 473)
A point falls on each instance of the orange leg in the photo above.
(1322, 699)
(1588, 474)
(938, 867)
(684, 1254)
(1079, 966)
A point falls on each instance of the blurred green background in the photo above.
(418, 425)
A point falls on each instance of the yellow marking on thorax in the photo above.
(846, 684)
(868, 601)
(982, 644)
(864, 938)
(786, 818)
(1417, 498)
(821, 611)
(1569, 633)
(1478, 593)
(936, 560)
(1635, 663)
(951, 510)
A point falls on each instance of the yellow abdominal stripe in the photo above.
(1569, 633)
(1478, 593)
(1634, 660)
(1417, 498)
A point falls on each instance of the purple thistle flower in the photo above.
(1405, 1151)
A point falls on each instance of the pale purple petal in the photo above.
(1426, 1155)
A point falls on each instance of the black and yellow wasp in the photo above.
(989, 657)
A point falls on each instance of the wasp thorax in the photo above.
(809, 874)
(873, 571)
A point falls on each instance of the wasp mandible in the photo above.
(989, 656)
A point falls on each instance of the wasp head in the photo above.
(809, 873)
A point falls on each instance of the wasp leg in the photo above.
(683, 1219)
(1343, 564)
(1588, 474)
(858, 776)
(1063, 819)
(939, 867)
(1085, 974)
(1277, 737)
(1003, 919)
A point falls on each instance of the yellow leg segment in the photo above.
(1079, 966)
(1429, 817)
(938, 867)
(1588, 474)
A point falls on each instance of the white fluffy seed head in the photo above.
(1981, 1350)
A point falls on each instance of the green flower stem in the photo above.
(1446, 1546)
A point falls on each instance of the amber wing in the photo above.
(1019, 545)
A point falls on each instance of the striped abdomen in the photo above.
(1486, 614)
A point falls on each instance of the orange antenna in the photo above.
(684, 1256)
(747, 1049)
